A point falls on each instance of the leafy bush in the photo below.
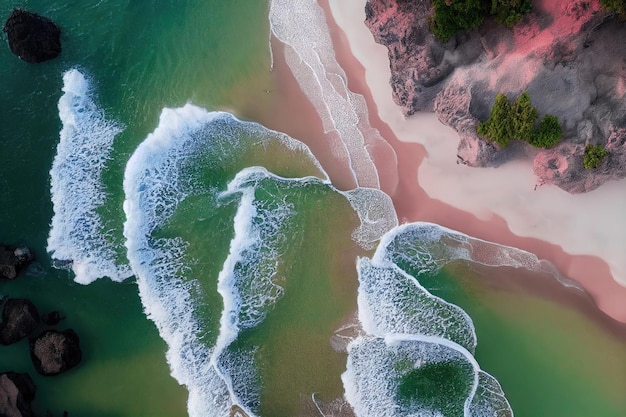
(509, 12)
(459, 15)
(548, 134)
(508, 122)
(452, 16)
(500, 126)
(594, 154)
(616, 6)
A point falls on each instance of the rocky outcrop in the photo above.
(567, 54)
(19, 319)
(16, 393)
(13, 260)
(33, 38)
(54, 352)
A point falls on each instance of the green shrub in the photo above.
(500, 126)
(509, 12)
(548, 134)
(594, 154)
(452, 16)
(508, 122)
(460, 15)
(615, 6)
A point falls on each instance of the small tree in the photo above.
(500, 126)
(593, 156)
(548, 134)
(525, 116)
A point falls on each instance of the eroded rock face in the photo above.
(16, 393)
(54, 352)
(13, 261)
(33, 38)
(19, 319)
(568, 55)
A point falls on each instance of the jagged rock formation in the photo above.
(567, 54)
(54, 352)
(33, 38)
(13, 261)
(16, 393)
(19, 319)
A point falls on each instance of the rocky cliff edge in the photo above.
(568, 55)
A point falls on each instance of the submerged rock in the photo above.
(567, 55)
(16, 393)
(54, 352)
(13, 260)
(19, 319)
(33, 38)
(52, 318)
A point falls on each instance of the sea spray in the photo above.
(302, 27)
(78, 235)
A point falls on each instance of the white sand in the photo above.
(586, 224)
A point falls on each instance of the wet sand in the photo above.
(413, 202)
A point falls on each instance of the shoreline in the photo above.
(420, 196)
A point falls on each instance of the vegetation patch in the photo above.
(518, 121)
(615, 6)
(594, 154)
(452, 16)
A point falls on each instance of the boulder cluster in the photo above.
(52, 351)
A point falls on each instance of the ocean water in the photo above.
(212, 267)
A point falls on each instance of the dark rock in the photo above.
(16, 393)
(19, 319)
(13, 260)
(33, 38)
(52, 318)
(54, 352)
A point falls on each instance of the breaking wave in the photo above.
(78, 237)
(413, 341)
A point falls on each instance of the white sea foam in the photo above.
(427, 247)
(489, 400)
(77, 234)
(248, 282)
(376, 366)
(376, 213)
(301, 26)
(391, 301)
(396, 310)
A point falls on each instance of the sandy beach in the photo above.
(580, 234)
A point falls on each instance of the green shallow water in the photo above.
(141, 57)
(123, 356)
(550, 358)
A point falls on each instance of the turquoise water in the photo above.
(266, 289)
